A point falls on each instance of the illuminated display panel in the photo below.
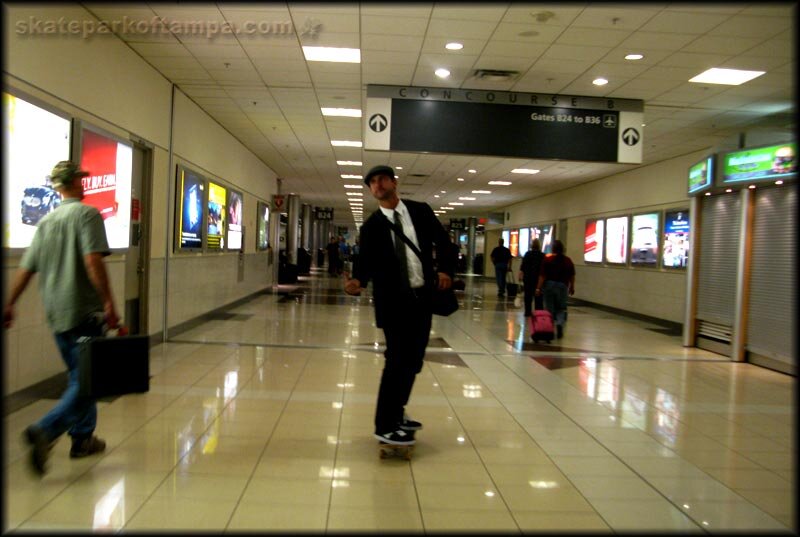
(513, 243)
(235, 215)
(108, 185)
(644, 239)
(617, 240)
(545, 234)
(505, 236)
(191, 190)
(34, 140)
(701, 176)
(524, 241)
(217, 195)
(593, 241)
(759, 164)
(676, 239)
(262, 219)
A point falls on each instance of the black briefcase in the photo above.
(109, 366)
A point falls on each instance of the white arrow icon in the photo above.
(378, 122)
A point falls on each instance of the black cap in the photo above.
(381, 169)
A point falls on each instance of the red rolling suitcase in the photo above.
(542, 326)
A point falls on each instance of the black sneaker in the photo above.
(410, 425)
(559, 331)
(397, 438)
(40, 451)
(86, 446)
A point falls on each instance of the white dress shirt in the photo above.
(415, 275)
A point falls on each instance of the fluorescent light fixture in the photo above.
(524, 170)
(502, 183)
(332, 54)
(345, 143)
(466, 198)
(442, 73)
(341, 112)
(443, 191)
(398, 167)
(730, 77)
(448, 208)
(472, 171)
(634, 56)
(460, 179)
(454, 46)
(350, 176)
(354, 186)
(600, 81)
(354, 193)
(481, 191)
(455, 203)
(349, 163)
(436, 195)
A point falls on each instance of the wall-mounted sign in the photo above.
(278, 202)
(458, 223)
(771, 163)
(507, 124)
(701, 176)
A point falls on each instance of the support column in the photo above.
(739, 336)
(292, 228)
(689, 324)
(305, 231)
(472, 224)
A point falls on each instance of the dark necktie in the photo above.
(400, 251)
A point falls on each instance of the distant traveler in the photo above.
(529, 276)
(333, 257)
(67, 251)
(556, 280)
(501, 258)
(402, 289)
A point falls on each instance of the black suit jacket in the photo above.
(377, 261)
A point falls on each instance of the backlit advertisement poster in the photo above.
(524, 241)
(676, 239)
(545, 235)
(513, 242)
(762, 163)
(34, 141)
(617, 239)
(262, 220)
(235, 220)
(108, 185)
(505, 236)
(701, 175)
(216, 216)
(644, 239)
(593, 241)
(191, 187)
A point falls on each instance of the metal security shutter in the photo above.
(719, 250)
(772, 306)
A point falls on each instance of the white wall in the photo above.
(103, 82)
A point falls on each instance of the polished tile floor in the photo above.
(261, 420)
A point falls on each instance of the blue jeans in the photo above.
(500, 271)
(73, 414)
(555, 300)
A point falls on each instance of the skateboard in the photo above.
(386, 451)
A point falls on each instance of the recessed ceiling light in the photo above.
(398, 167)
(524, 170)
(454, 46)
(341, 112)
(443, 191)
(472, 171)
(455, 203)
(634, 56)
(599, 81)
(442, 73)
(708, 193)
(779, 182)
(730, 77)
(481, 191)
(345, 143)
(466, 198)
(332, 54)
(460, 179)
(349, 163)
(436, 195)
(350, 176)
(354, 193)
(502, 183)
(354, 186)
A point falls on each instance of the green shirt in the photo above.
(56, 253)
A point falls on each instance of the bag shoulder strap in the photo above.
(405, 239)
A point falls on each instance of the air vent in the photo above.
(418, 175)
(492, 75)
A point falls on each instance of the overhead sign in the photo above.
(323, 213)
(507, 124)
(459, 223)
(277, 202)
